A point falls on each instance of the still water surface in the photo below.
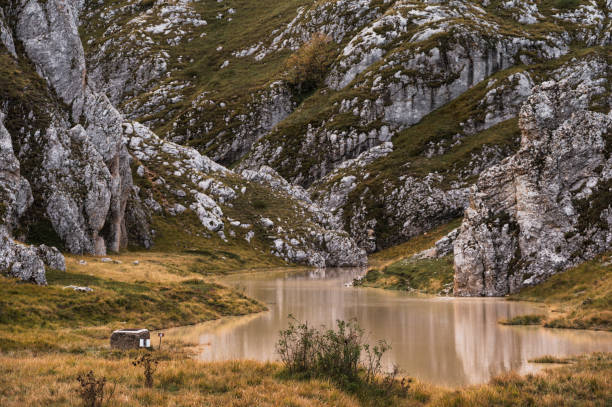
(445, 341)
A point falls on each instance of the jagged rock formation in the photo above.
(262, 113)
(136, 57)
(82, 178)
(66, 170)
(174, 178)
(381, 207)
(549, 206)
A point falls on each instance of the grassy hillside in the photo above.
(395, 269)
(579, 298)
(163, 290)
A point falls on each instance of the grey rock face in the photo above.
(333, 191)
(547, 207)
(17, 260)
(20, 261)
(51, 257)
(445, 246)
(50, 37)
(412, 207)
(6, 37)
(403, 205)
(404, 65)
(15, 191)
(236, 134)
(441, 248)
(325, 245)
(502, 102)
(209, 188)
(83, 179)
(129, 58)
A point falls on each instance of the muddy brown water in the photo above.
(444, 341)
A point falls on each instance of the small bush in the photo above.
(149, 363)
(524, 320)
(307, 67)
(91, 391)
(339, 354)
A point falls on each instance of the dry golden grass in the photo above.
(51, 380)
(153, 267)
(585, 383)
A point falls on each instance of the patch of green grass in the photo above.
(580, 297)
(137, 303)
(428, 276)
(551, 359)
(529, 319)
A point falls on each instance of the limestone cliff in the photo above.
(549, 206)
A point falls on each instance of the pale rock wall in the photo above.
(547, 207)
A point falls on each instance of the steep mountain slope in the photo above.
(468, 64)
(419, 99)
(68, 155)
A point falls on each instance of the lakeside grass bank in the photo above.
(51, 335)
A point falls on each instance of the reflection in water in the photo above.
(446, 341)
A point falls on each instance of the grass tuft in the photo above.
(530, 319)
(551, 359)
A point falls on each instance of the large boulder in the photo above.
(20, 261)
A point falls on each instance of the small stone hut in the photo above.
(130, 339)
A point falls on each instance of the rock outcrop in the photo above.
(79, 166)
(549, 206)
(397, 69)
(174, 179)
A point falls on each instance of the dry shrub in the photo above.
(339, 354)
(149, 364)
(307, 67)
(91, 391)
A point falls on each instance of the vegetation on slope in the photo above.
(579, 298)
(396, 269)
(161, 291)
